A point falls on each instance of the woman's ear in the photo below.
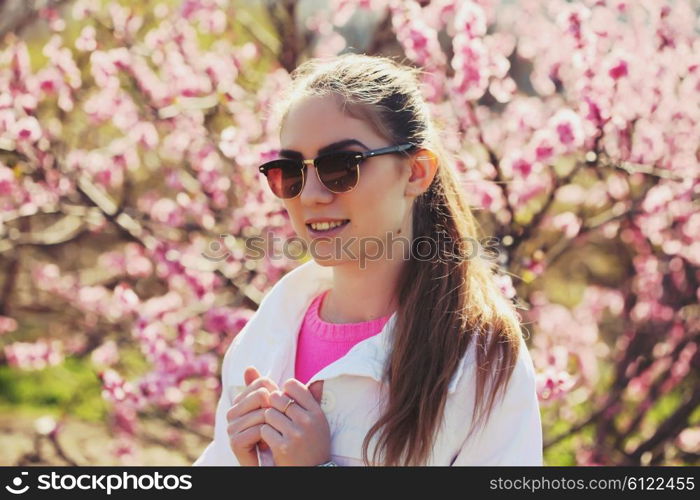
(424, 164)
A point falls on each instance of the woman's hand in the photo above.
(297, 434)
(247, 416)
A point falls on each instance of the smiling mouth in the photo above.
(320, 227)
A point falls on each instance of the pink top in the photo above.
(321, 343)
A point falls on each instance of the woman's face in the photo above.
(377, 209)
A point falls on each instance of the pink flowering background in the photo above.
(129, 136)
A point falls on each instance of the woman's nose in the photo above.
(314, 192)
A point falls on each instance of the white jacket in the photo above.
(351, 389)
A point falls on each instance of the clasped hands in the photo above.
(261, 415)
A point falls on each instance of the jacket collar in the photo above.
(270, 337)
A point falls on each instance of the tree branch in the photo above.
(671, 426)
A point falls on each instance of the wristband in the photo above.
(330, 463)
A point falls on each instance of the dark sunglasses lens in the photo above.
(338, 171)
(285, 178)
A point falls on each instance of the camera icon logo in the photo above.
(17, 482)
(217, 250)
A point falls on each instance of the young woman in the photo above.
(393, 345)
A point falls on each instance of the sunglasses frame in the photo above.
(360, 156)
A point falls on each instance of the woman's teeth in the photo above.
(325, 226)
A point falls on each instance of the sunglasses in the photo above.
(338, 171)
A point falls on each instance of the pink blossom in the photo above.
(503, 90)
(470, 19)
(175, 144)
(233, 141)
(568, 128)
(618, 70)
(618, 187)
(226, 320)
(517, 166)
(441, 13)
(146, 134)
(103, 69)
(84, 8)
(329, 45)
(7, 120)
(222, 68)
(27, 129)
(93, 298)
(536, 267)
(544, 143)
(125, 419)
(20, 63)
(86, 41)
(505, 285)
(46, 273)
(648, 144)
(136, 263)
(106, 354)
(27, 102)
(342, 10)
(124, 21)
(34, 355)
(597, 299)
(553, 384)
(190, 7)
(484, 194)
(572, 18)
(166, 211)
(116, 389)
(7, 324)
(157, 306)
(126, 299)
(418, 39)
(62, 59)
(102, 169)
(568, 223)
(689, 439)
(7, 181)
(470, 65)
(657, 198)
(528, 188)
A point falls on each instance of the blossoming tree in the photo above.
(129, 136)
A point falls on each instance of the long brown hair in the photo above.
(444, 304)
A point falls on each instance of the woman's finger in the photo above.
(281, 422)
(265, 382)
(273, 438)
(316, 390)
(300, 393)
(243, 442)
(279, 402)
(242, 422)
(250, 375)
(259, 398)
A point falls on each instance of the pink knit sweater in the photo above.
(321, 343)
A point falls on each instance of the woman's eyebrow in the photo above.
(290, 153)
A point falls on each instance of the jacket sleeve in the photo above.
(512, 434)
(218, 452)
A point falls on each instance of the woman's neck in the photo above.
(361, 295)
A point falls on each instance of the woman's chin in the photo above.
(329, 262)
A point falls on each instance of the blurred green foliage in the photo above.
(72, 387)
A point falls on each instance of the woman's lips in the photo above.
(328, 233)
